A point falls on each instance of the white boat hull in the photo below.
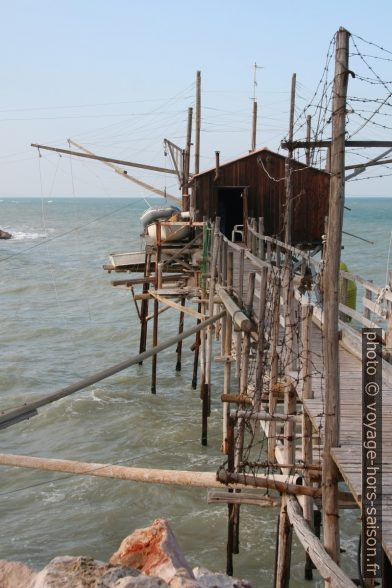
(173, 232)
(126, 259)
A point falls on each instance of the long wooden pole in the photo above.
(289, 188)
(325, 565)
(331, 302)
(164, 170)
(196, 479)
(124, 174)
(186, 165)
(254, 125)
(227, 356)
(158, 285)
(308, 134)
(180, 330)
(198, 121)
(144, 306)
(9, 417)
(211, 286)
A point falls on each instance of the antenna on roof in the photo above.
(254, 107)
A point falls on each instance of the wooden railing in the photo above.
(375, 302)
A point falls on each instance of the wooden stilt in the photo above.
(331, 306)
(158, 284)
(202, 349)
(144, 306)
(261, 250)
(154, 344)
(274, 365)
(179, 344)
(282, 577)
(196, 356)
(213, 267)
(230, 507)
(239, 443)
(227, 355)
(283, 556)
(261, 341)
(307, 430)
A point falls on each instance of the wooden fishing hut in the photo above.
(253, 186)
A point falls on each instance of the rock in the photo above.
(182, 580)
(154, 551)
(113, 574)
(142, 581)
(14, 574)
(5, 235)
(66, 571)
(207, 579)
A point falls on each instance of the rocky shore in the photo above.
(149, 558)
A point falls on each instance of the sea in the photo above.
(61, 320)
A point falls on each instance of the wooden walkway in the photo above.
(348, 456)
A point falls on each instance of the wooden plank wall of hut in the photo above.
(267, 194)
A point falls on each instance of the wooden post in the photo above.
(228, 358)
(186, 164)
(196, 356)
(288, 316)
(202, 354)
(254, 241)
(261, 251)
(198, 119)
(343, 296)
(289, 188)
(285, 530)
(274, 363)
(331, 294)
(144, 306)
(307, 430)
(368, 295)
(179, 344)
(261, 340)
(283, 552)
(239, 442)
(158, 284)
(241, 277)
(231, 510)
(254, 126)
(213, 268)
(308, 133)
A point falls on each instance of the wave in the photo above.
(30, 235)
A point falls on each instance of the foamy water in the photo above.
(29, 235)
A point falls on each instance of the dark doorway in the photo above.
(230, 209)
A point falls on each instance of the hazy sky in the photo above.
(118, 77)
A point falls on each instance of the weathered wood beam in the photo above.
(178, 307)
(124, 174)
(221, 497)
(107, 159)
(326, 566)
(331, 297)
(271, 482)
(239, 318)
(312, 144)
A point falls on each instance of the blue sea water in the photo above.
(61, 320)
